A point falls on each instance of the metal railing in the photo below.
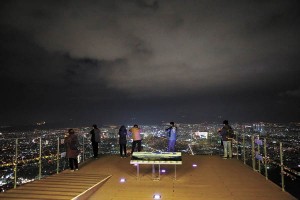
(35, 158)
(263, 154)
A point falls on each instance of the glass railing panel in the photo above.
(81, 157)
(28, 153)
(273, 161)
(247, 150)
(7, 160)
(209, 144)
(291, 161)
(27, 172)
(152, 143)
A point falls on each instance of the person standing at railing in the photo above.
(227, 135)
(95, 139)
(172, 135)
(122, 140)
(137, 139)
(72, 146)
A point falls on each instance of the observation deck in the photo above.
(212, 178)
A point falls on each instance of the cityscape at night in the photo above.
(193, 139)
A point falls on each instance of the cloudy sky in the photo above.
(148, 61)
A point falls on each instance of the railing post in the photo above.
(281, 166)
(266, 161)
(57, 155)
(244, 153)
(83, 153)
(237, 146)
(40, 160)
(15, 164)
(258, 152)
(253, 152)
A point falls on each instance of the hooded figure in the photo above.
(122, 140)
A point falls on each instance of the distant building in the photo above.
(202, 135)
(259, 127)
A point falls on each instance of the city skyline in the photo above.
(149, 61)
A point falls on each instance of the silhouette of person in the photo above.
(95, 139)
(172, 135)
(227, 134)
(72, 144)
(137, 139)
(122, 140)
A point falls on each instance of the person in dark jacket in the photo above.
(95, 139)
(227, 135)
(72, 144)
(122, 140)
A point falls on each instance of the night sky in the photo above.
(144, 61)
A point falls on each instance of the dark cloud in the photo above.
(148, 60)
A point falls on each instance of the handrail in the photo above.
(16, 162)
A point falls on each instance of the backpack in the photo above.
(230, 133)
(97, 135)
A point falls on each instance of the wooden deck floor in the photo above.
(212, 179)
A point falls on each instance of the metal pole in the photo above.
(83, 153)
(40, 160)
(281, 165)
(237, 146)
(57, 156)
(244, 153)
(210, 142)
(15, 164)
(266, 163)
(258, 151)
(253, 152)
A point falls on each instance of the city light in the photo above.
(194, 165)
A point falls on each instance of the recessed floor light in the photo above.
(157, 196)
(122, 180)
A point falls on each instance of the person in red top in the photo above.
(72, 144)
(137, 139)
